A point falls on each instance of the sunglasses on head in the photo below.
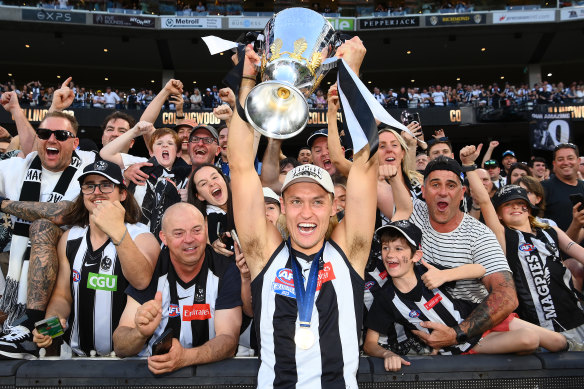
(564, 146)
(60, 135)
(491, 163)
(434, 141)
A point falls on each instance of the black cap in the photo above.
(491, 163)
(410, 231)
(508, 193)
(316, 134)
(444, 163)
(107, 169)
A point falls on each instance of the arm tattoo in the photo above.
(500, 302)
(34, 210)
(44, 263)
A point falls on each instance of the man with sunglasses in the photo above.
(494, 170)
(563, 183)
(49, 175)
(203, 145)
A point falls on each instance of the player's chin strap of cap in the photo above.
(360, 110)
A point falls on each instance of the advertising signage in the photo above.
(387, 23)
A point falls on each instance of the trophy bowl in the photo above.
(296, 43)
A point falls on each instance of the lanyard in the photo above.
(305, 297)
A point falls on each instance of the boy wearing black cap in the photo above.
(414, 295)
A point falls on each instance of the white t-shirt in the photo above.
(13, 171)
(438, 98)
(111, 99)
(470, 242)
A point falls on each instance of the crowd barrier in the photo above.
(542, 370)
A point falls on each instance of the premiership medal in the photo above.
(304, 338)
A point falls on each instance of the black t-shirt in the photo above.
(558, 206)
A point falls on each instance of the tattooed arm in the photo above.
(34, 210)
(501, 301)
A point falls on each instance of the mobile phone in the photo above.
(163, 344)
(577, 198)
(235, 238)
(226, 240)
(50, 326)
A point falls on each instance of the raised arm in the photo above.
(270, 176)
(489, 152)
(401, 196)
(258, 237)
(26, 133)
(113, 150)
(137, 324)
(434, 277)
(63, 97)
(336, 151)
(172, 87)
(468, 155)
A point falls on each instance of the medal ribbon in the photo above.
(305, 297)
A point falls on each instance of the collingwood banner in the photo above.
(549, 129)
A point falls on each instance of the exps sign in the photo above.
(55, 16)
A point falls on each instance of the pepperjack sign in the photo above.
(387, 23)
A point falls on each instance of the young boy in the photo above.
(414, 295)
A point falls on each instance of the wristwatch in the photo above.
(461, 337)
(469, 168)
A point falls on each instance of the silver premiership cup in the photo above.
(296, 43)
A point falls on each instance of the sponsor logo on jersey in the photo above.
(526, 247)
(326, 274)
(196, 312)
(173, 310)
(433, 301)
(414, 313)
(369, 285)
(284, 283)
(102, 282)
(76, 276)
(383, 275)
(285, 277)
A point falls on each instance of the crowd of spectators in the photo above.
(34, 94)
(150, 245)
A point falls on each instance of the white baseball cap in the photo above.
(270, 194)
(309, 173)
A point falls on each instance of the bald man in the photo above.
(194, 292)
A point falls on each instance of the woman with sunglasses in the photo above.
(545, 289)
(165, 176)
(105, 250)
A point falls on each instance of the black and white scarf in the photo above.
(13, 301)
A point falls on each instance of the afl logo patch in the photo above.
(76, 276)
(369, 285)
(526, 247)
(285, 276)
(173, 310)
(414, 313)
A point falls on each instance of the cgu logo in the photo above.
(102, 282)
(285, 276)
(526, 247)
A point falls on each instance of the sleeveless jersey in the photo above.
(336, 322)
(544, 285)
(97, 289)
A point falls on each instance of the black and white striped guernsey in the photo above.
(417, 305)
(97, 288)
(216, 286)
(336, 322)
(544, 285)
(470, 242)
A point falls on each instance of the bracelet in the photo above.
(572, 243)
(123, 236)
(180, 117)
(476, 209)
(252, 78)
